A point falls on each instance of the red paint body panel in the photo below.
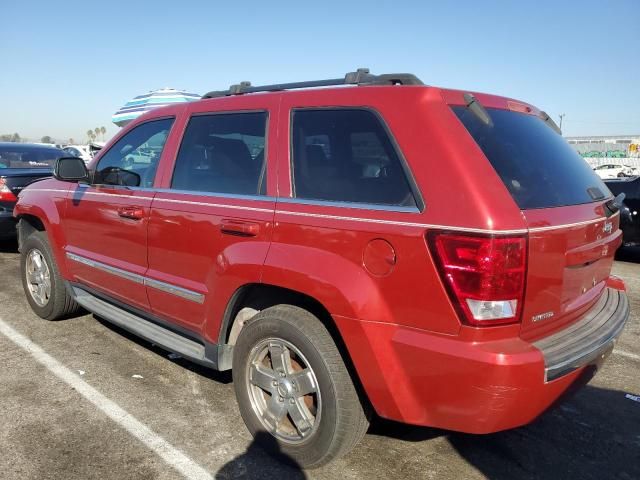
(369, 268)
(450, 382)
(569, 266)
(94, 229)
(203, 258)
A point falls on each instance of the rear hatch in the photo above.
(573, 235)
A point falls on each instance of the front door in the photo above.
(106, 222)
(210, 228)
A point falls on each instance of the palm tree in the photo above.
(97, 130)
(103, 131)
(89, 136)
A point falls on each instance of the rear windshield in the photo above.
(29, 157)
(538, 167)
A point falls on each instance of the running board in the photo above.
(157, 334)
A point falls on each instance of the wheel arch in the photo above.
(37, 221)
(259, 296)
(27, 224)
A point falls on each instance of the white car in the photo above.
(615, 171)
(80, 151)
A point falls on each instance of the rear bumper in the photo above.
(421, 378)
(586, 340)
(7, 224)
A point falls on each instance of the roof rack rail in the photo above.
(360, 77)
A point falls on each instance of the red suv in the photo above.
(435, 256)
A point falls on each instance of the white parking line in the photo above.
(630, 355)
(171, 455)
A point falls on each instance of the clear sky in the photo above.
(67, 66)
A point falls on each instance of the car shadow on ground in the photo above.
(256, 463)
(593, 435)
(628, 254)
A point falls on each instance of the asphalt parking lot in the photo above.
(81, 399)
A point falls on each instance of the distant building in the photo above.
(610, 146)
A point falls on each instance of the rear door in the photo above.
(210, 226)
(572, 234)
(106, 222)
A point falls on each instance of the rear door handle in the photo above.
(239, 228)
(133, 213)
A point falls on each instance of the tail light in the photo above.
(6, 195)
(485, 276)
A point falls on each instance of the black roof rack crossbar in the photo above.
(359, 77)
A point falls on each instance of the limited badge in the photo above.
(542, 316)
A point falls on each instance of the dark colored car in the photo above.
(20, 165)
(630, 212)
(440, 257)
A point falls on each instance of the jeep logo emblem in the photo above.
(607, 227)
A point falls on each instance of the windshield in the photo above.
(29, 156)
(538, 167)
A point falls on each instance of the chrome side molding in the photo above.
(139, 279)
(174, 290)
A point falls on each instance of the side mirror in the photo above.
(71, 169)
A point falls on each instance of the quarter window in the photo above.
(347, 156)
(133, 160)
(223, 153)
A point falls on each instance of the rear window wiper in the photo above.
(615, 204)
(477, 109)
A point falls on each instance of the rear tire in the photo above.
(289, 352)
(43, 285)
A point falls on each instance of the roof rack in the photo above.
(360, 77)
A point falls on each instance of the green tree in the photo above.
(90, 136)
(97, 132)
(47, 139)
(103, 131)
(15, 137)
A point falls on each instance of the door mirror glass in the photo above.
(71, 169)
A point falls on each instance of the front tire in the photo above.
(43, 285)
(291, 382)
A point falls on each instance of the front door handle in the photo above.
(132, 213)
(239, 228)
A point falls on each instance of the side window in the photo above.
(223, 153)
(346, 156)
(133, 160)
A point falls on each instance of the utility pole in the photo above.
(561, 117)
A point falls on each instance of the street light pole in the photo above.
(561, 117)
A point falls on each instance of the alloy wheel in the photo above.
(38, 277)
(283, 390)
